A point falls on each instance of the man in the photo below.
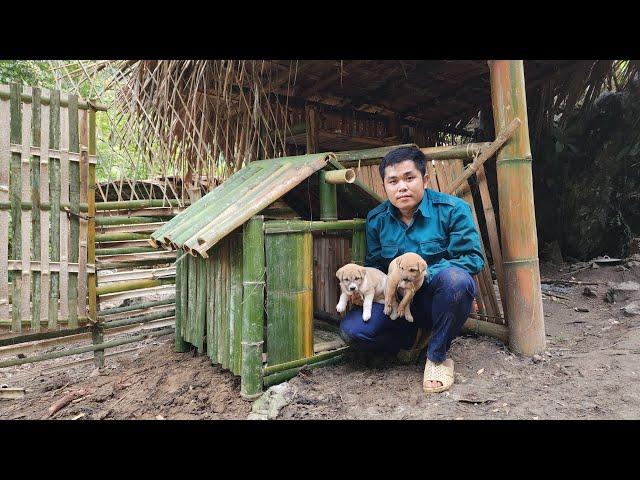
(440, 228)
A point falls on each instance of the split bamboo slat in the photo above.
(45, 272)
(180, 344)
(201, 304)
(15, 192)
(5, 159)
(25, 164)
(235, 304)
(74, 200)
(212, 299)
(54, 185)
(65, 227)
(83, 224)
(289, 260)
(189, 334)
(35, 211)
(91, 226)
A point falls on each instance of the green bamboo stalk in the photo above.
(123, 250)
(289, 374)
(74, 200)
(148, 317)
(91, 225)
(83, 207)
(376, 153)
(200, 213)
(180, 344)
(119, 237)
(184, 299)
(138, 204)
(328, 199)
(358, 246)
(35, 212)
(192, 305)
(271, 369)
(201, 302)
(88, 348)
(117, 287)
(15, 195)
(4, 323)
(226, 312)
(120, 220)
(41, 336)
(141, 306)
(132, 263)
(47, 100)
(54, 187)
(253, 276)
(236, 303)
(212, 306)
(286, 226)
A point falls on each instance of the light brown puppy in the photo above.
(361, 282)
(406, 275)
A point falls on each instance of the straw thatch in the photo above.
(210, 117)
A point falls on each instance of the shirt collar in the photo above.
(423, 208)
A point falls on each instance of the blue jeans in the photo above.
(442, 307)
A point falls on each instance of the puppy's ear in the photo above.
(362, 271)
(339, 273)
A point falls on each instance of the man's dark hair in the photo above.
(400, 155)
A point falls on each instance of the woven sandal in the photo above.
(411, 355)
(438, 372)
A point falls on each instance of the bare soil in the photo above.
(590, 370)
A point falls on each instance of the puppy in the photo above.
(406, 275)
(357, 282)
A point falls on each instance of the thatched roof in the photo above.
(209, 117)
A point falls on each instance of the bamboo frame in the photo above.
(517, 219)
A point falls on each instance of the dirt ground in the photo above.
(590, 370)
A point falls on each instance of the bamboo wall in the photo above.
(45, 172)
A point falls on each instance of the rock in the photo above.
(537, 358)
(256, 416)
(269, 404)
(589, 292)
(629, 286)
(551, 253)
(594, 266)
(631, 309)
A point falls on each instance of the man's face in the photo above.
(404, 185)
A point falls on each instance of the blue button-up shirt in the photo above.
(442, 232)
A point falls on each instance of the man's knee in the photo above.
(455, 279)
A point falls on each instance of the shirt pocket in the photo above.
(433, 250)
(389, 251)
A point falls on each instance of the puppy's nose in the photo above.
(352, 287)
(406, 279)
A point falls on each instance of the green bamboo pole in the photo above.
(120, 237)
(34, 337)
(201, 305)
(517, 211)
(236, 303)
(291, 226)
(369, 153)
(141, 306)
(54, 187)
(223, 311)
(25, 97)
(35, 212)
(184, 299)
(253, 276)
(88, 348)
(82, 207)
(358, 246)
(117, 287)
(15, 195)
(191, 300)
(104, 265)
(27, 321)
(91, 224)
(289, 374)
(212, 306)
(148, 317)
(123, 250)
(271, 369)
(208, 310)
(328, 199)
(180, 344)
(74, 200)
(138, 204)
(120, 220)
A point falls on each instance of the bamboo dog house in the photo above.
(256, 271)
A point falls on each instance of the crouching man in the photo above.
(440, 228)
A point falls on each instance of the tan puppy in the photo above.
(406, 275)
(361, 282)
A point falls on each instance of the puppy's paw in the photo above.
(387, 308)
(341, 308)
(394, 315)
(366, 316)
(408, 316)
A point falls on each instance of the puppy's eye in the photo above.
(413, 269)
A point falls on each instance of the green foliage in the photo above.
(35, 73)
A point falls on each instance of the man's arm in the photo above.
(464, 249)
(374, 258)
